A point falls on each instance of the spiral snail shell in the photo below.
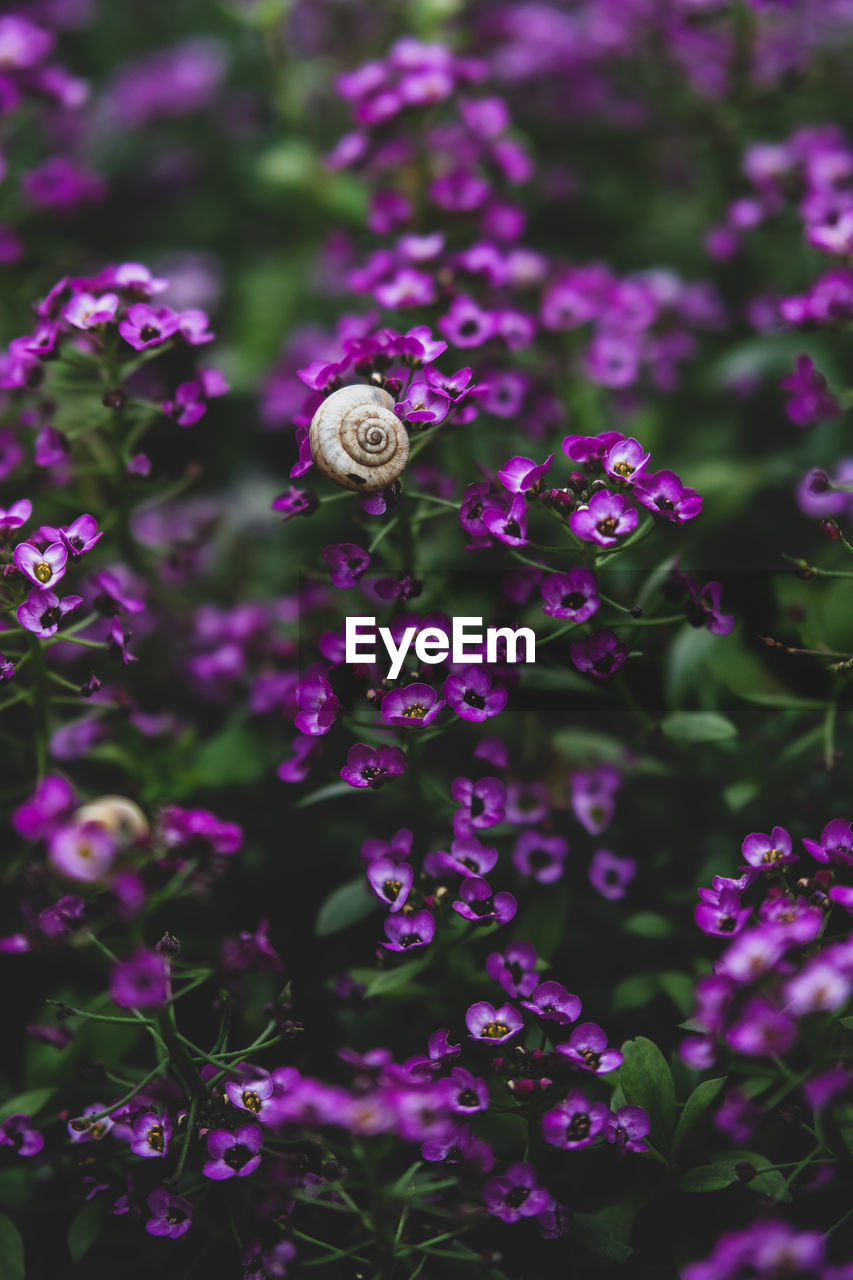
(357, 439)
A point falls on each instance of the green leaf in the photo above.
(695, 1111)
(634, 992)
(649, 924)
(679, 988)
(231, 758)
(11, 1250)
(26, 1104)
(84, 1230)
(646, 1081)
(720, 1173)
(330, 792)
(348, 904)
(607, 1232)
(697, 726)
(739, 794)
(391, 980)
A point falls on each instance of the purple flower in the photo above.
(520, 475)
(607, 518)
(591, 795)
(704, 610)
(755, 952)
(467, 857)
(145, 326)
(297, 502)
(414, 706)
(765, 851)
(253, 1092)
(762, 1030)
(424, 403)
(16, 515)
(473, 695)
(485, 1022)
(114, 587)
(85, 311)
(508, 525)
(515, 969)
(664, 495)
(141, 981)
(45, 809)
(347, 563)
(574, 1122)
(151, 1134)
(440, 1052)
(82, 851)
(552, 1002)
(809, 402)
(818, 988)
(398, 848)
(81, 535)
(482, 804)
(627, 1127)
(466, 324)
(234, 1155)
(16, 1131)
(610, 874)
(391, 881)
(199, 828)
(477, 902)
(540, 856)
(527, 803)
(465, 1093)
(587, 1048)
(570, 595)
(44, 568)
(405, 933)
(317, 705)
(600, 655)
(721, 914)
(42, 611)
(119, 640)
(835, 844)
(626, 461)
(372, 766)
(516, 1194)
(171, 1216)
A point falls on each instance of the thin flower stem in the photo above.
(41, 729)
(108, 1111)
(382, 534)
(188, 1137)
(555, 635)
(95, 1017)
(430, 497)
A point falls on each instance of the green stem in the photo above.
(41, 729)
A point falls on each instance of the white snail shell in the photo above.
(357, 439)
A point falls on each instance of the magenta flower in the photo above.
(485, 1022)
(44, 568)
(464, 1092)
(347, 563)
(626, 461)
(514, 969)
(482, 804)
(527, 803)
(610, 874)
(587, 1048)
(627, 1128)
(296, 502)
(600, 655)
(82, 851)
(809, 401)
(477, 902)
(473, 695)
(151, 1134)
(141, 981)
(835, 844)
(42, 611)
(571, 595)
(171, 1216)
(81, 535)
(553, 1003)
(16, 515)
(253, 1092)
(413, 707)
(574, 1122)
(234, 1155)
(704, 609)
(397, 848)
(819, 987)
(520, 475)
(607, 518)
(145, 326)
(467, 857)
(372, 766)
(721, 914)
(424, 403)
(765, 851)
(762, 1030)
(17, 1132)
(508, 525)
(540, 856)
(405, 933)
(516, 1194)
(592, 796)
(664, 495)
(391, 881)
(85, 311)
(317, 706)
(466, 324)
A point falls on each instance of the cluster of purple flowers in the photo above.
(776, 970)
(768, 1249)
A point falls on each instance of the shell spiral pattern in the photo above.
(357, 440)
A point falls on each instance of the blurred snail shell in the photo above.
(357, 440)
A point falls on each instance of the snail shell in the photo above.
(357, 439)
